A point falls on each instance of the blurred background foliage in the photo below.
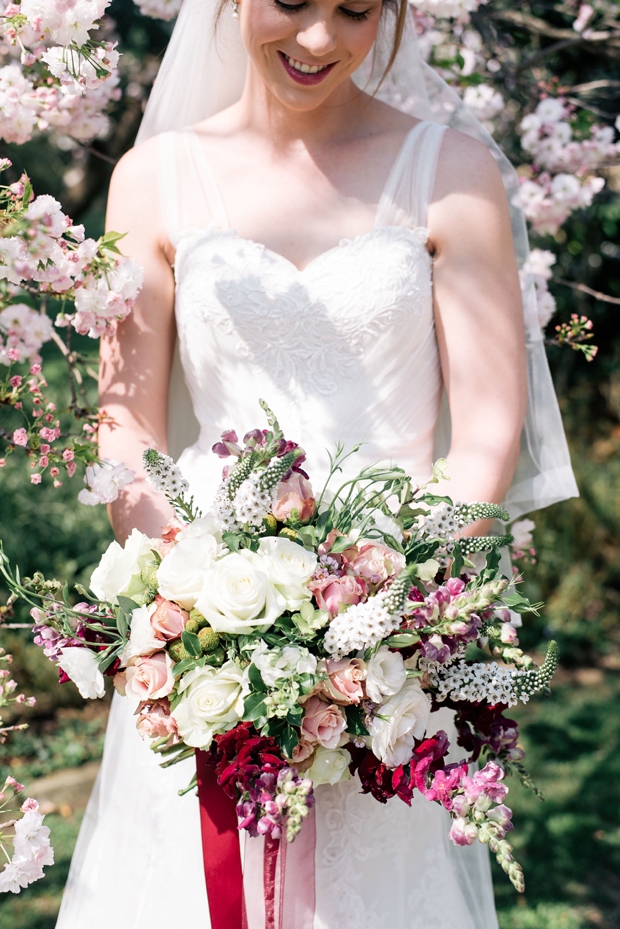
(570, 844)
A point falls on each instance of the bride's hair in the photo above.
(398, 8)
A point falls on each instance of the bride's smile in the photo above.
(305, 53)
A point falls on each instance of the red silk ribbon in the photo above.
(220, 849)
(286, 904)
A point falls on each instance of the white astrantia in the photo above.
(290, 568)
(212, 701)
(105, 480)
(397, 722)
(385, 674)
(120, 567)
(81, 665)
(360, 626)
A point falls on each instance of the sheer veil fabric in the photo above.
(203, 72)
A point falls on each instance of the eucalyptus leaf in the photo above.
(127, 604)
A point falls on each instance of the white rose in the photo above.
(402, 718)
(329, 766)
(290, 569)
(212, 702)
(238, 596)
(83, 669)
(142, 638)
(181, 575)
(385, 674)
(276, 664)
(205, 525)
(118, 572)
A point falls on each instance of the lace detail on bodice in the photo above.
(310, 328)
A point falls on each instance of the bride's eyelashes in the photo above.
(296, 7)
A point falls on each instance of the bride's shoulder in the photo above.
(137, 171)
(465, 164)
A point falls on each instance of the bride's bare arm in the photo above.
(479, 320)
(136, 361)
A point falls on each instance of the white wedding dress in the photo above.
(343, 350)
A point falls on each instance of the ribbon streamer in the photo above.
(220, 849)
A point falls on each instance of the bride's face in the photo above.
(305, 49)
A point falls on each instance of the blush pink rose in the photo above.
(333, 593)
(149, 678)
(323, 723)
(155, 721)
(377, 562)
(345, 679)
(168, 620)
(294, 494)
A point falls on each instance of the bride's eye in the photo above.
(289, 7)
(354, 14)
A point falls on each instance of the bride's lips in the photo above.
(303, 77)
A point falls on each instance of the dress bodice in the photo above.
(343, 350)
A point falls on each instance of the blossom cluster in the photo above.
(301, 651)
(31, 844)
(42, 246)
(59, 76)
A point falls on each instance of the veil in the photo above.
(203, 71)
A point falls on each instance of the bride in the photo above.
(312, 233)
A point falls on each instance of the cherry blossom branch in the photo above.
(605, 298)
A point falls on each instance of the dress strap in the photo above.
(189, 196)
(409, 189)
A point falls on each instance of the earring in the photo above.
(235, 9)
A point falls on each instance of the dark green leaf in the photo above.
(458, 562)
(191, 643)
(355, 721)
(254, 709)
(288, 740)
(182, 666)
(256, 679)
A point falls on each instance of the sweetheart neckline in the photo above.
(419, 234)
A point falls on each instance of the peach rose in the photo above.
(302, 754)
(155, 721)
(345, 679)
(294, 495)
(150, 678)
(377, 562)
(168, 620)
(323, 723)
(332, 593)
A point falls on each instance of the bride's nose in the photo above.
(317, 38)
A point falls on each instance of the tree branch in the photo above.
(605, 298)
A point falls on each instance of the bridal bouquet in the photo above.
(301, 638)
